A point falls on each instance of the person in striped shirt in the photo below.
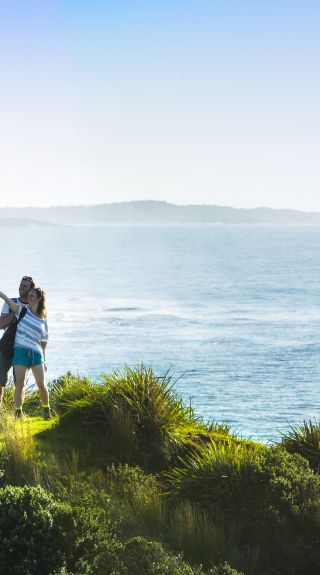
(7, 316)
(29, 347)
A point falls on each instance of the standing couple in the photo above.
(29, 311)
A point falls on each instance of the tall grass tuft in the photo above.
(137, 504)
(305, 440)
(17, 452)
(123, 431)
(218, 476)
(210, 541)
(139, 415)
(153, 407)
(67, 389)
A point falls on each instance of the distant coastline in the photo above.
(152, 212)
(22, 222)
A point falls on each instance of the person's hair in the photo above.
(30, 280)
(42, 308)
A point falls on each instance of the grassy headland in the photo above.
(127, 480)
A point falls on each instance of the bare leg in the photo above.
(38, 373)
(19, 392)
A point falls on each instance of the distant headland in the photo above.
(152, 212)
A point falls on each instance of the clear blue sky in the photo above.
(191, 102)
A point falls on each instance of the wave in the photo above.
(125, 309)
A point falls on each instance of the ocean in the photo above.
(233, 312)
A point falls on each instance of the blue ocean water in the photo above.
(232, 311)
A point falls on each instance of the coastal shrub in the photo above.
(305, 439)
(219, 477)
(141, 556)
(110, 514)
(36, 531)
(134, 505)
(136, 556)
(137, 504)
(137, 413)
(273, 494)
(129, 484)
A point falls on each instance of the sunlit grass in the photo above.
(305, 440)
(18, 450)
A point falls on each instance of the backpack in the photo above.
(9, 336)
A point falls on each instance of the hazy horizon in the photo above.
(190, 103)
(151, 200)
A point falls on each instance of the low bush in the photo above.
(274, 496)
(36, 532)
(118, 520)
(136, 556)
(127, 503)
(219, 477)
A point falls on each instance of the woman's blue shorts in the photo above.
(27, 357)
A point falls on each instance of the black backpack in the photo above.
(9, 336)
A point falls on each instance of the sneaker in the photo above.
(46, 413)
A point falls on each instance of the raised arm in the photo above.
(12, 304)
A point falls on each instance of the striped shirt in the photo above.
(31, 330)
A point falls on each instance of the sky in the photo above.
(191, 102)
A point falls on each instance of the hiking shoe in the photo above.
(46, 413)
(19, 414)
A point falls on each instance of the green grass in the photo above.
(17, 451)
(136, 466)
(129, 416)
(305, 440)
(211, 474)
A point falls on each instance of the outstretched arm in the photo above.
(12, 304)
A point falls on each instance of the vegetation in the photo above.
(127, 480)
(305, 439)
(37, 531)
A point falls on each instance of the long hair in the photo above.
(42, 307)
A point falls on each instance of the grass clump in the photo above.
(18, 456)
(138, 416)
(207, 540)
(218, 476)
(305, 440)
